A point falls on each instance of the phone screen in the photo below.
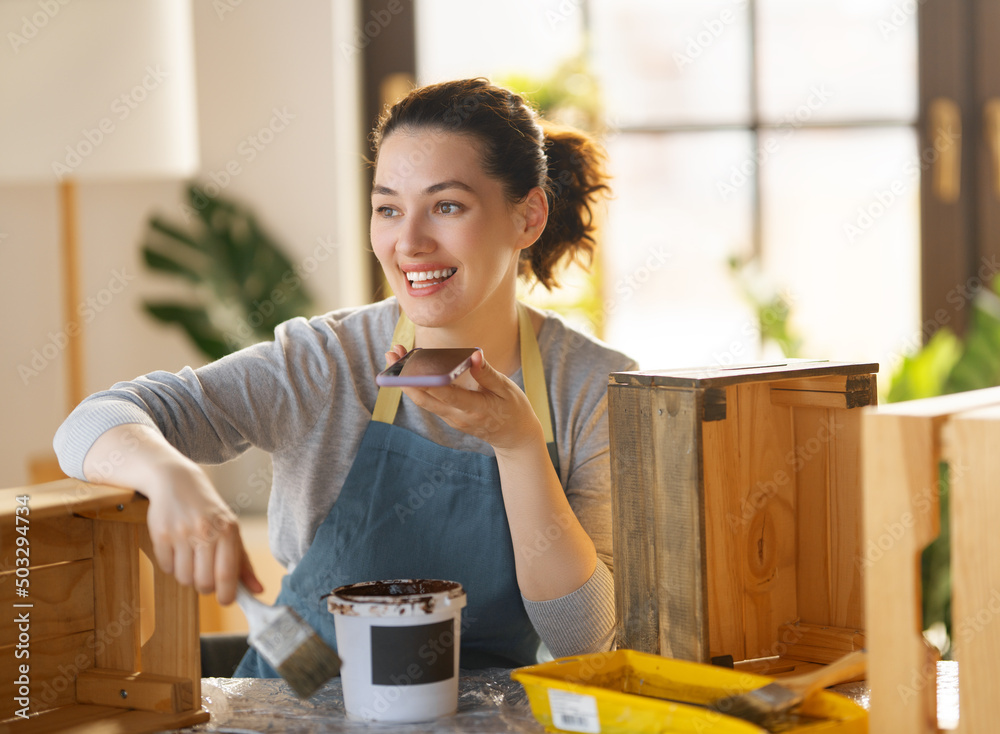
(427, 367)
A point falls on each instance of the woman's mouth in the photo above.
(426, 278)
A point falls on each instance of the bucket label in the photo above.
(405, 656)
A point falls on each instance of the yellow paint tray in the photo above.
(632, 692)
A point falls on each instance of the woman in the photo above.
(474, 482)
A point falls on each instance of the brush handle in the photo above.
(258, 614)
(838, 671)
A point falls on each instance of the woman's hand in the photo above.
(195, 534)
(492, 408)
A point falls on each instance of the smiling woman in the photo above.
(503, 473)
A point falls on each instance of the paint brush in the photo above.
(768, 705)
(289, 644)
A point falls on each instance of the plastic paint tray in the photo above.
(624, 691)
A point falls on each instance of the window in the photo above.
(776, 134)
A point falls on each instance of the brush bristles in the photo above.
(759, 706)
(309, 666)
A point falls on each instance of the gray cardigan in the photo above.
(307, 397)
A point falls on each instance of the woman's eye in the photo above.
(386, 211)
(449, 207)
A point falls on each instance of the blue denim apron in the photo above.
(411, 508)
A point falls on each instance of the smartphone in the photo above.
(427, 367)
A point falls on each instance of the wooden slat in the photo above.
(726, 523)
(820, 399)
(87, 719)
(630, 433)
(829, 383)
(847, 607)
(116, 590)
(810, 459)
(62, 498)
(134, 512)
(173, 649)
(61, 598)
(769, 543)
(900, 472)
(846, 639)
(972, 446)
(659, 540)
(51, 541)
(704, 378)
(142, 691)
(54, 665)
(678, 524)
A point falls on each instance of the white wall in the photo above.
(304, 185)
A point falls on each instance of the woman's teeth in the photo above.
(427, 278)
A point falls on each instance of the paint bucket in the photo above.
(398, 642)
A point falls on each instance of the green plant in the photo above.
(240, 284)
(771, 307)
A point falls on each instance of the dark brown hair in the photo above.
(520, 150)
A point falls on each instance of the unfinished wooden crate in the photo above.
(904, 447)
(89, 668)
(736, 501)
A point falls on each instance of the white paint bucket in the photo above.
(398, 642)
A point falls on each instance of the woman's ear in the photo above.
(534, 211)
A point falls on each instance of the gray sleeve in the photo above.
(592, 605)
(261, 396)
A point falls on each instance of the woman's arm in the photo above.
(195, 534)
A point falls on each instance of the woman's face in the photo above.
(443, 230)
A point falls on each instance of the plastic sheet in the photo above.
(488, 701)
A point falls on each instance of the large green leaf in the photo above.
(245, 270)
(167, 264)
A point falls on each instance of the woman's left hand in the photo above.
(496, 410)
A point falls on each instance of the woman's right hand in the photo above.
(195, 534)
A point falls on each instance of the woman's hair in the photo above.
(520, 150)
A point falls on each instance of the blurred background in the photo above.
(791, 179)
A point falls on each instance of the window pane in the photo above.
(673, 62)
(458, 38)
(837, 59)
(841, 231)
(669, 298)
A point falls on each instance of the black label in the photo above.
(406, 656)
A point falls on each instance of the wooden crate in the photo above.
(78, 628)
(737, 511)
(904, 447)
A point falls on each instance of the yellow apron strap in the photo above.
(532, 371)
(387, 402)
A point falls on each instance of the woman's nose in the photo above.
(415, 236)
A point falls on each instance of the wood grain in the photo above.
(54, 665)
(142, 691)
(726, 521)
(51, 540)
(765, 432)
(62, 599)
(173, 649)
(117, 607)
(972, 448)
